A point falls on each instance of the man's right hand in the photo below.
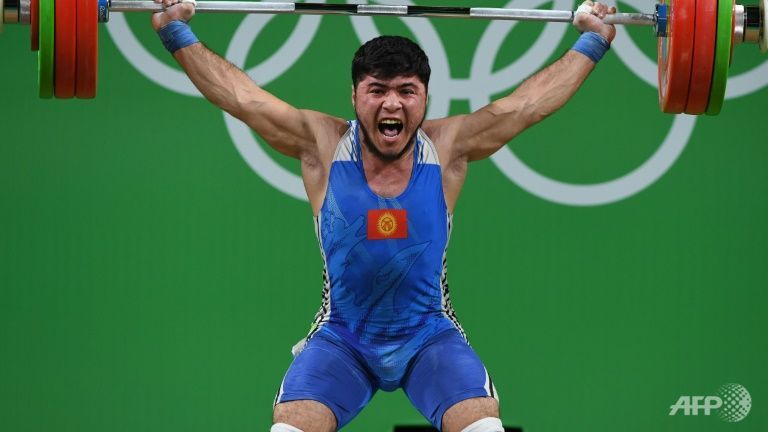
(591, 19)
(175, 10)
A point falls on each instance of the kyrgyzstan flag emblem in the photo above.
(386, 224)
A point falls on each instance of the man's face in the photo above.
(390, 112)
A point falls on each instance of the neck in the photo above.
(375, 163)
(387, 176)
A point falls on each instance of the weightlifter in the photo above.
(383, 188)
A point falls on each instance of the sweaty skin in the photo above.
(390, 112)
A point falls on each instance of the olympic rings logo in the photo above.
(477, 89)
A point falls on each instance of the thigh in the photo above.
(326, 372)
(445, 372)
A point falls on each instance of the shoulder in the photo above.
(326, 131)
(444, 129)
(443, 133)
(325, 125)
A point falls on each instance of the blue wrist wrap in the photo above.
(176, 35)
(591, 45)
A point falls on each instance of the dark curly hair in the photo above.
(386, 57)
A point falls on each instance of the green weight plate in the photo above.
(46, 53)
(722, 56)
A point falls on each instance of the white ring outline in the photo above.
(606, 192)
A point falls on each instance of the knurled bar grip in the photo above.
(388, 10)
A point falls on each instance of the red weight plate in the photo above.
(87, 48)
(703, 56)
(675, 55)
(34, 21)
(65, 31)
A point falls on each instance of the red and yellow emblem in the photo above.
(387, 224)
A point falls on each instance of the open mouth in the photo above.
(390, 128)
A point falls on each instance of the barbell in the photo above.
(695, 37)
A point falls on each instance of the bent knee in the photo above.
(467, 412)
(305, 416)
(488, 424)
(282, 427)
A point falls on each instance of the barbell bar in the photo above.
(383, 10)
(695, 44)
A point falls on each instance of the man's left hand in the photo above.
(181, 10)
(589, 17)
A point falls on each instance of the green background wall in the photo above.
(150, 280)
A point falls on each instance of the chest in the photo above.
(359, 225)
(388, 184)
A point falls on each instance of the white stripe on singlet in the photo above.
(324, 314)
(447, 306)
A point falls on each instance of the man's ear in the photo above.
(353, 96)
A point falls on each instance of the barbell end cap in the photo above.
(661, 20)
(104, 6)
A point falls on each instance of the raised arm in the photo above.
(289, 130)
(480, 134)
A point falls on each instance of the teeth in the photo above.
(391, 122)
